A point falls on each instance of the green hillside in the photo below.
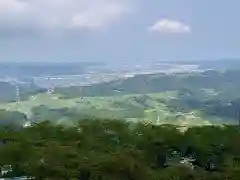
(155, 83)
(184, 99)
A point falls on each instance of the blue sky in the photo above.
(118, 30)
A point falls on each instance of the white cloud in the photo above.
(64, 14)
(170, 26)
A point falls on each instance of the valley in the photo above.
(182, 98)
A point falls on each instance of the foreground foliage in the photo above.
(117, 150)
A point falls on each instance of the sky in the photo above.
(118, 30)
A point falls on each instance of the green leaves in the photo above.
(105, 149)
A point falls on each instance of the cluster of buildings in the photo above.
(111, 72)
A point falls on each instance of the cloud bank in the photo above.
(170, 26)
(61, 14)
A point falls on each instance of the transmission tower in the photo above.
(19, 106)
(17, 94)
(158, 120)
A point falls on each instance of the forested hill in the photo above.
(116, 150)
(141, 84)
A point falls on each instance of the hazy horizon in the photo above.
(120, 62)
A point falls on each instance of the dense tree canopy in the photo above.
(112, 149)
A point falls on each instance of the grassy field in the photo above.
(133, 107)
(54, 101)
